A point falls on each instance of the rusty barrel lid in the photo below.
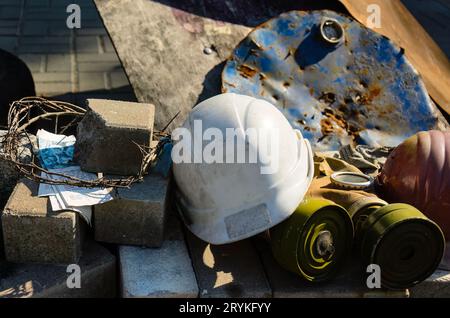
(335, 80)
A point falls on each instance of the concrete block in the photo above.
(8, 174)
(97, 280)
(350, 283)
(158, 273)
(136, 217)
(108, 133)
(436, 286)
(80, 98)
(232, 270)
(33, 233)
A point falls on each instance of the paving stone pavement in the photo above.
(67, 64)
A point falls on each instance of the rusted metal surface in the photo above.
(361, 90)
(161, 44)
(398, 24)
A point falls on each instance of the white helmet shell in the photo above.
(224, 202)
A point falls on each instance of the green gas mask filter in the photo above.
(314, 241)
(406, 245)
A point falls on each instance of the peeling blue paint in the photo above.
(362, 90)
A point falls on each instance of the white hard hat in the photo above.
(227, 202)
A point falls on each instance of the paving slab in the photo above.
(97, 279)
(136, 217)
(108, 134)
(158, 272)
(231, 270)
(33, 233)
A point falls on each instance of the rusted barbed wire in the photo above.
(30, 110)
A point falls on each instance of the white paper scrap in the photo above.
(79, 196)
(70, 198)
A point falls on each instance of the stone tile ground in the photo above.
(66, 64)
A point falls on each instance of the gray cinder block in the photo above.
(107, 135)
(33, 233)
(136, 217)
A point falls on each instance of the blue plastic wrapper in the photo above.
(55, 151)
(56, 158)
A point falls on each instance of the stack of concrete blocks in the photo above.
(40, 244)
(159, 272)
(107, 142)
(153, 262)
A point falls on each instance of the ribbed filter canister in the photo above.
(314, 241)
(406, 245)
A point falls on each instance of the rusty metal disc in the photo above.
(350, 88)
